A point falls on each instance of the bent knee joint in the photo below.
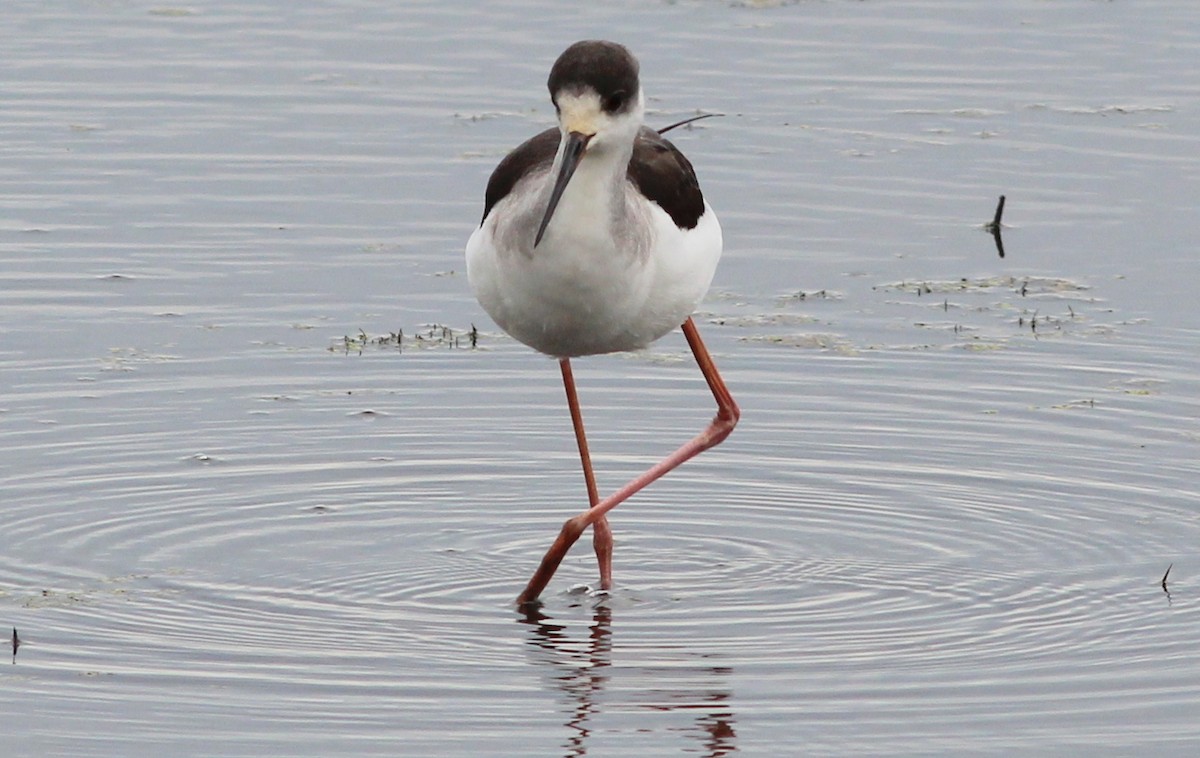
(572, 529)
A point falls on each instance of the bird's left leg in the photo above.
(716, 431)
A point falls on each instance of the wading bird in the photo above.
(596, 239)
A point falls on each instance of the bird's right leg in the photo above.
(601, 533)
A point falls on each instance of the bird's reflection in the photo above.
(580, 665)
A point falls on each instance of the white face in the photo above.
(604, 128)
(582, 113)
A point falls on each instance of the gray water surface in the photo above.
(240, 520)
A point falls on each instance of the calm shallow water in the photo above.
(939, 530)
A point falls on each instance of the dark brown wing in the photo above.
(533, 152)
(666, 177)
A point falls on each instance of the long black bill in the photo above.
(572, 154)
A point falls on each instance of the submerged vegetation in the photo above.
(425, 337)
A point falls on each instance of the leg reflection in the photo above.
(662, 693)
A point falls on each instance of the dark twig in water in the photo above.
(687, 121)
(16, 643)
(1164, 584)
(999, 212)
(993, 227)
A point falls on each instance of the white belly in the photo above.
(582, 291)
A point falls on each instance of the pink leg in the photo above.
(717, 430)
(601, 533)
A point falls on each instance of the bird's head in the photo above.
(596, 93)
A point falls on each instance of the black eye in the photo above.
(615, 101)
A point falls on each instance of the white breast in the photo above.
(600, 281)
